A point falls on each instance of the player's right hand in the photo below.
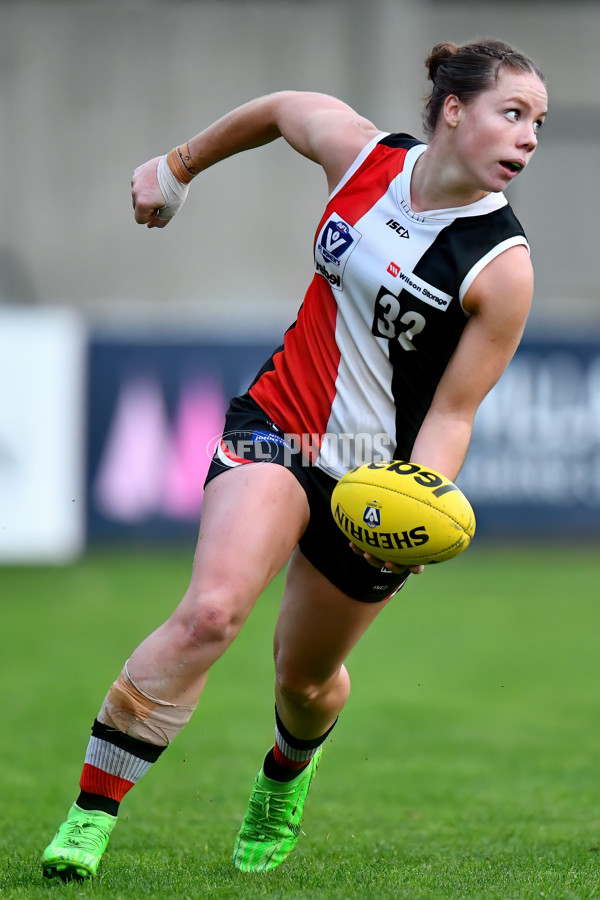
(377, 563)
(147, 196)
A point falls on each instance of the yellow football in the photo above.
(402, 512)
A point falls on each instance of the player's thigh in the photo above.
(318, 624)
(252, 518)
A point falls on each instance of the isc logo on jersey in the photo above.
(335, 243)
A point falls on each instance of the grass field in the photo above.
(466, 764)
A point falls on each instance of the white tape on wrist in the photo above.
(173, 190)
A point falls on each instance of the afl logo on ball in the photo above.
(372, 515)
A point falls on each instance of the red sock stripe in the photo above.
(95, 781)
(282, 760)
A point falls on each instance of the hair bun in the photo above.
(438, 55)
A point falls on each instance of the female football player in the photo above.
(421, 290)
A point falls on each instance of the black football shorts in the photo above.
(250, 436)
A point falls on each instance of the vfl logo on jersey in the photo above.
(372, 515)
(335, 240)
(335, 243)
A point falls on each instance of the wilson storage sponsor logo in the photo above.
(418, 288)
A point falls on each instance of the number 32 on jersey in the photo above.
(391, 322)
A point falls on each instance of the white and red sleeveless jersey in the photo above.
(383, 314)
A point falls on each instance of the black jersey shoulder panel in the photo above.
(400, 141)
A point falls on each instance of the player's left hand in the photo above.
(379, 563)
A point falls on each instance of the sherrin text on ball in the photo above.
(402, 512)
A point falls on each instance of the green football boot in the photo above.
(78, 845)
(271, 827)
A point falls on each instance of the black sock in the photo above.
(96, 801)
(290, 755)
(275, 772)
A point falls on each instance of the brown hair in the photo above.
(466, 71)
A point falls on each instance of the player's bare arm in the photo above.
(324, 129)
(318, 126)
(498, 301)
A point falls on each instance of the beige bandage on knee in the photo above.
(131, 710)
